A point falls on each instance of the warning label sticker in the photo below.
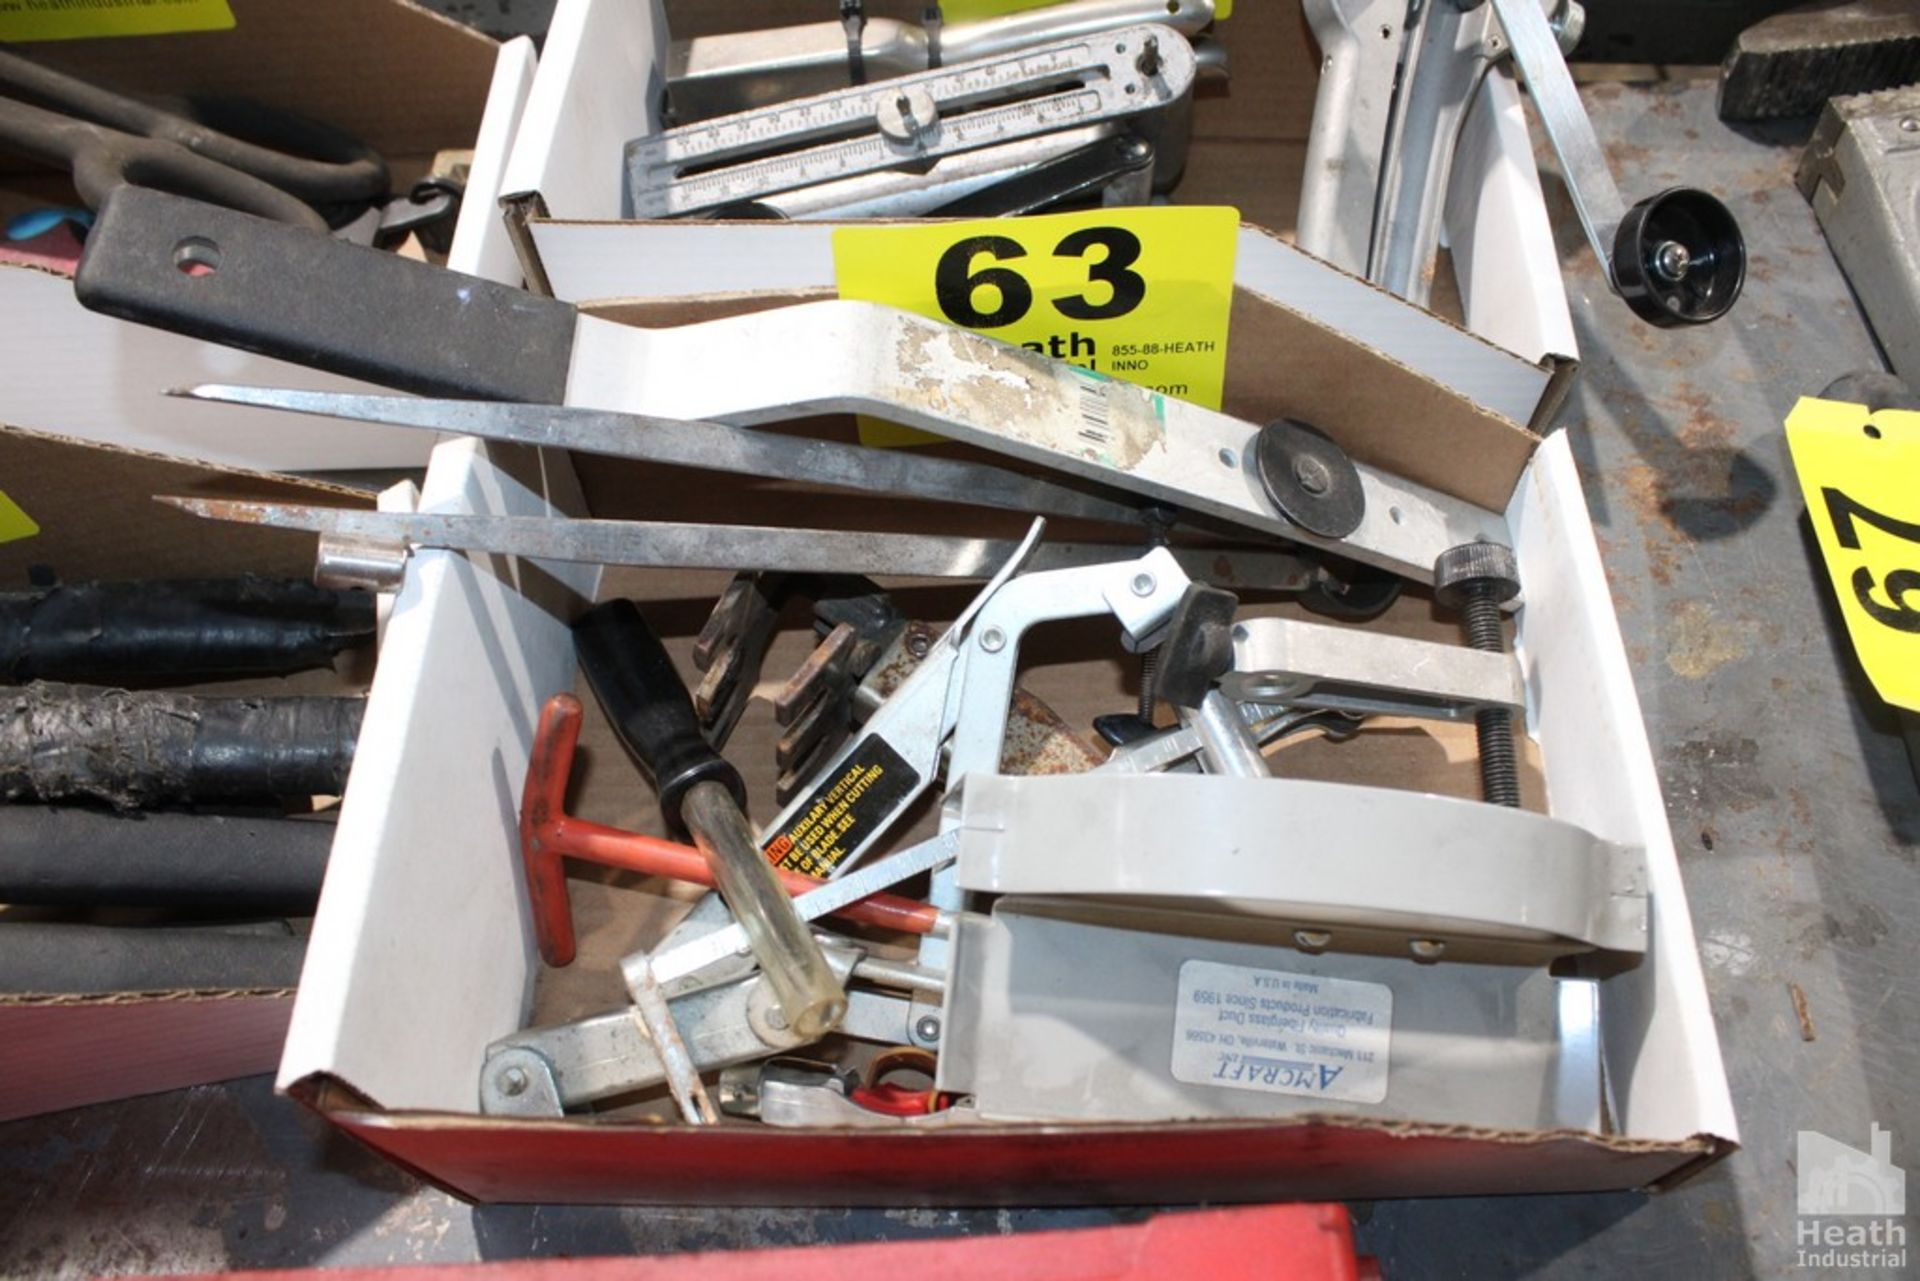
(847, 807)
(1247, 1029)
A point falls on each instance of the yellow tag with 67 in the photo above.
(1860, 473)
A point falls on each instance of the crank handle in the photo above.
(1676, 257)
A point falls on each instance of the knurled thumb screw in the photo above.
(1476, 579)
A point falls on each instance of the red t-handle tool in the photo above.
(549, 834)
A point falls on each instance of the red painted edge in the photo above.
(1264, 1243)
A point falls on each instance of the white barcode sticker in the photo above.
(1095, 427)
(1246, 1029)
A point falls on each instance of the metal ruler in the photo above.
(743, 158)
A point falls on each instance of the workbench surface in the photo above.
(1794, 810)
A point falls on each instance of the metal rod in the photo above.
(1227, 744)
(678, 442)
(683, 545)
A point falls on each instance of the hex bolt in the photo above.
(927, 1028)
(1476, 579)
(513, 1082)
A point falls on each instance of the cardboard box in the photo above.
(97, 520)
(398, 1002)
(562, 188)
(93, 502)
(405, 80)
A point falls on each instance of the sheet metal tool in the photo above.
(715, 75)
(889, 140)
(454, 334)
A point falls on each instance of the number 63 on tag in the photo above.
(1141, 294)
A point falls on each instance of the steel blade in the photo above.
(683, 443)
(678, 545)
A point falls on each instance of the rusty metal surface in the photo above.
(1793, 805)
(1793, 808)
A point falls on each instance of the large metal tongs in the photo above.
(443, 333)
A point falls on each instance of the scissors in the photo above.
(106, 139)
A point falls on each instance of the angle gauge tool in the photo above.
(733, 162)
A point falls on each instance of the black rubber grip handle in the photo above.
(177, 632)
(197, 269)
(56, 855)
(648, 704)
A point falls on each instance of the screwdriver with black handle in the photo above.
(704, 797)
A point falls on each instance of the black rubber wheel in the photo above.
(1679, 258)
(1309, 479)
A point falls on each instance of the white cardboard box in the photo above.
(422, 952)
(407, 81)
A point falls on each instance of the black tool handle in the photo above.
(643, 696)
(177, 632)
(196, 269)
(138, 749)
(44, 958)
(61, 856)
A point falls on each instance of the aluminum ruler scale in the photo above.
(738, 159)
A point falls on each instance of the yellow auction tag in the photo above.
(1860, 473)
(967, 10)
(1140, 293)
(79, 19)
(14, 523)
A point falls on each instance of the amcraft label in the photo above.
(1246, 1029)
(868, 786)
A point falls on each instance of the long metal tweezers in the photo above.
(710, 445)
(680, 545)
